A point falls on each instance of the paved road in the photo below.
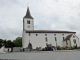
(50, 55)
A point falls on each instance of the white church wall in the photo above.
(39, 40)
(68, 41)
(26, 25)
(6, 49)
(23, 34)
(64, 43)
(25, 39)
(59, 39)
(74, 38)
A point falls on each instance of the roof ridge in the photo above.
(68, 37)
(48, 31)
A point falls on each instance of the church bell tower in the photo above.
(28, 21)
(28, 25)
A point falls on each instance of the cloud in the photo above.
(47, 14)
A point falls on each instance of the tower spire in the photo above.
(28, 15)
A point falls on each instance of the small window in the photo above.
(45, 34)
(74, 41)
(63, 38)
(28, 22)
(54, 34)
(36, 34)
(62, 34)
(66, 42)
(73, 36)
(55, 39)
(46, 39)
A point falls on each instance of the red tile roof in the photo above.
(48, 31)
(68, 37)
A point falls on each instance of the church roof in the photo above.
(68, 37)
(48, 31)
(28, 15)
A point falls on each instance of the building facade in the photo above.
(40, 38)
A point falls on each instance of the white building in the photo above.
(39, 38)
(2, 49)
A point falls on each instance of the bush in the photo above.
(58, 47)
(73, 47)
(79, 47)
(61, 47)
(69, 48)
(64, 47)
(43, 49)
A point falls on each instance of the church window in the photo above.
(63, 34)
(54, 34)
(73, 36)
(55, 39)
(63, 38)
(74, 41)
(46, 39)
(45, 34)
(66, 42)
(36, 34)
(28, 22)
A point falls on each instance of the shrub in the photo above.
(61, 47)
(64, 47)
(43, 49)
(58, 47)
(73, 47)
(79, 47)
(69, 48)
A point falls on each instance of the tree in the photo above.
(9, 43)
(4, 42)
(1, 43)
(18, 42)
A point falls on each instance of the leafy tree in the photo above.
(4, 42)
(9, 43)
(1, 43)
(18, 42)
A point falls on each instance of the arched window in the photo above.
(36, 34)
(45, 34)
(55, 39)
(46, 39)
(63, 38)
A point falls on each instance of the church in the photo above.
(40, 38)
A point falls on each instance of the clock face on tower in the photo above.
(28, 26)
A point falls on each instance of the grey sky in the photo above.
(47, 14)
